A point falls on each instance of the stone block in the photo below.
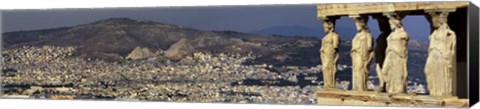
(402, 98)
(427, 101)
(361, 98)
(363, 103)
(324, 10)
(329, 101)
(456, 102)
(400, 105)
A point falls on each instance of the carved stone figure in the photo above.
(395, 64)
(440, 64)
(361, 53)
(381, 46)
(329, 53)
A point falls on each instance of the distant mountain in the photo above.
(110, 38)
(417, 45)
(295, 30)
(115, 38)
(304, 31)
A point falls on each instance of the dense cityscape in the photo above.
(48, 71)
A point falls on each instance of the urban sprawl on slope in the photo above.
(42, 72)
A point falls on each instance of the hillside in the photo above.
(115, 38)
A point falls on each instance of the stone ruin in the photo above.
(391, 54)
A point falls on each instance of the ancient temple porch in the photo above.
(389, 16)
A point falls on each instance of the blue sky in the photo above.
(236, 18)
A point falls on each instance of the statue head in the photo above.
(438, 19)
(361, 23)
(395, 19)
(328, 25)
(395, 22)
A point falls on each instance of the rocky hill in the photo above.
(115, 39)
(119, 36)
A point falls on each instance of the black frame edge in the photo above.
(473, 49)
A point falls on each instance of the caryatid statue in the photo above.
(380, 48)
(395, 63)
(329, 52)
(440, 64)
(361, 53)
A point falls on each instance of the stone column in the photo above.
(441, 60)
(395, 63)
(329, 52)
(380, 48)
(361, 53)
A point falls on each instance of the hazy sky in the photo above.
(236, 18)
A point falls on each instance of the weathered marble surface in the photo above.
(337, 9)
(361, 53)
(342, 97)
(391, 55)
(329, 52)
(440, 64)
(380, 48)
(395, 64)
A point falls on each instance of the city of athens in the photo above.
(367, 54)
